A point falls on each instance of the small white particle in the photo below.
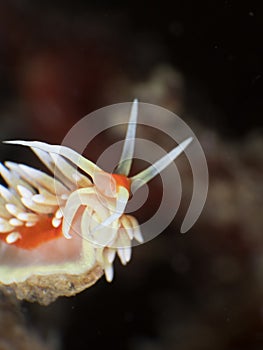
(27, 217)
(121, 255)
(30, 224)
(56, 222)
(108, 273)
(39, 198)
(138, 236)
(110, 254)
(15, 222)
(127, 253)
(13, 237)
(5, 227)
(136, 229)
(59, 214)
(24, 192)
(12, 209)
(130, 233)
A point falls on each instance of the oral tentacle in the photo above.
(86, 165)
(83, 196)
(122, 199)
(105, 183)
(125, 162)
(148, 174)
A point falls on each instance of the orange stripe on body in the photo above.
(34, 236)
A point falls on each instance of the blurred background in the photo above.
(200, 59)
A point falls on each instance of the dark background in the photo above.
(62, 60)
(83, 46)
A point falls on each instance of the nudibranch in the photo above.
(59, 234)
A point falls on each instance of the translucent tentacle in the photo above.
(128, 148)
(148, 174)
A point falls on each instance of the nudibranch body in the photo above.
(68, 227)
